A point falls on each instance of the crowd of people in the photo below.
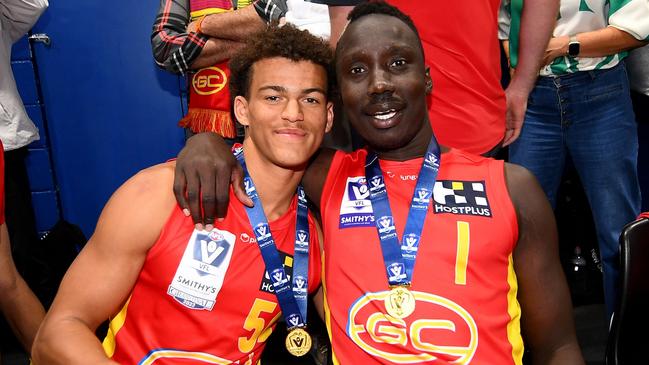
(413, 243)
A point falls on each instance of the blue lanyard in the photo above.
(399, 258)
(292, 297)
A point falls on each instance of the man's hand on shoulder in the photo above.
(204, 171)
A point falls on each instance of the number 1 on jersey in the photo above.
(462, 256)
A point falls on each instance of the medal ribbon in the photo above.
(292, 297)
(400, 259)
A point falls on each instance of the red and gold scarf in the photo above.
(209, 96)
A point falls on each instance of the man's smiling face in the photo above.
(382, 79)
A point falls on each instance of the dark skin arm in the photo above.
(206, 167)
(547, 320)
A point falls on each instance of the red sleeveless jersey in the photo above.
(205, 298)
(463, 280)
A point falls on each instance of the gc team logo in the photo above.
(209, 81)
(449, 333)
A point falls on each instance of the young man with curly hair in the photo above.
(179, 294)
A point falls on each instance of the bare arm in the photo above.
(204, 171)
(537, 22)
(236, 25)
(206, 168)
(177, 47)
(547, 321)
(18, 303)
(228, 32)
(596, 43)
(100, 280)
(216, 51)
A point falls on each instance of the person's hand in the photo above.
(271, 11)
(204, 171)
(516, 107)
(557, 47)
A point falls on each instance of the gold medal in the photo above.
(400, 302)
(298, 342)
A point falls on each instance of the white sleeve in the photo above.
(504, 20)
(630, 16)
(19, 16)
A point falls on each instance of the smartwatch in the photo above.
(573, 46)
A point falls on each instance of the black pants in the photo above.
(19, 216)
(18, 208)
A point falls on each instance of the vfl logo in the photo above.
(410, 242)
(301, 196)
(302, 239)
(439, 330)
(250, 187)
(278, 277)
(377, 183)
(431, 161)
(422, 197)
(210, 249)
(299, 284)
(385, 224)
(209, 81)
(298, 341)
(358, 190)
(293, 320)
(262, 231)
(397, 271)
(356, 207)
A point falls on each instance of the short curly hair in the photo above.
(286, 41)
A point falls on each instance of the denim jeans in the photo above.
(589, 116)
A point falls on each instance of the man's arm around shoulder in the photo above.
(547, 321)
(101, 278)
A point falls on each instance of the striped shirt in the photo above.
(580, 16)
